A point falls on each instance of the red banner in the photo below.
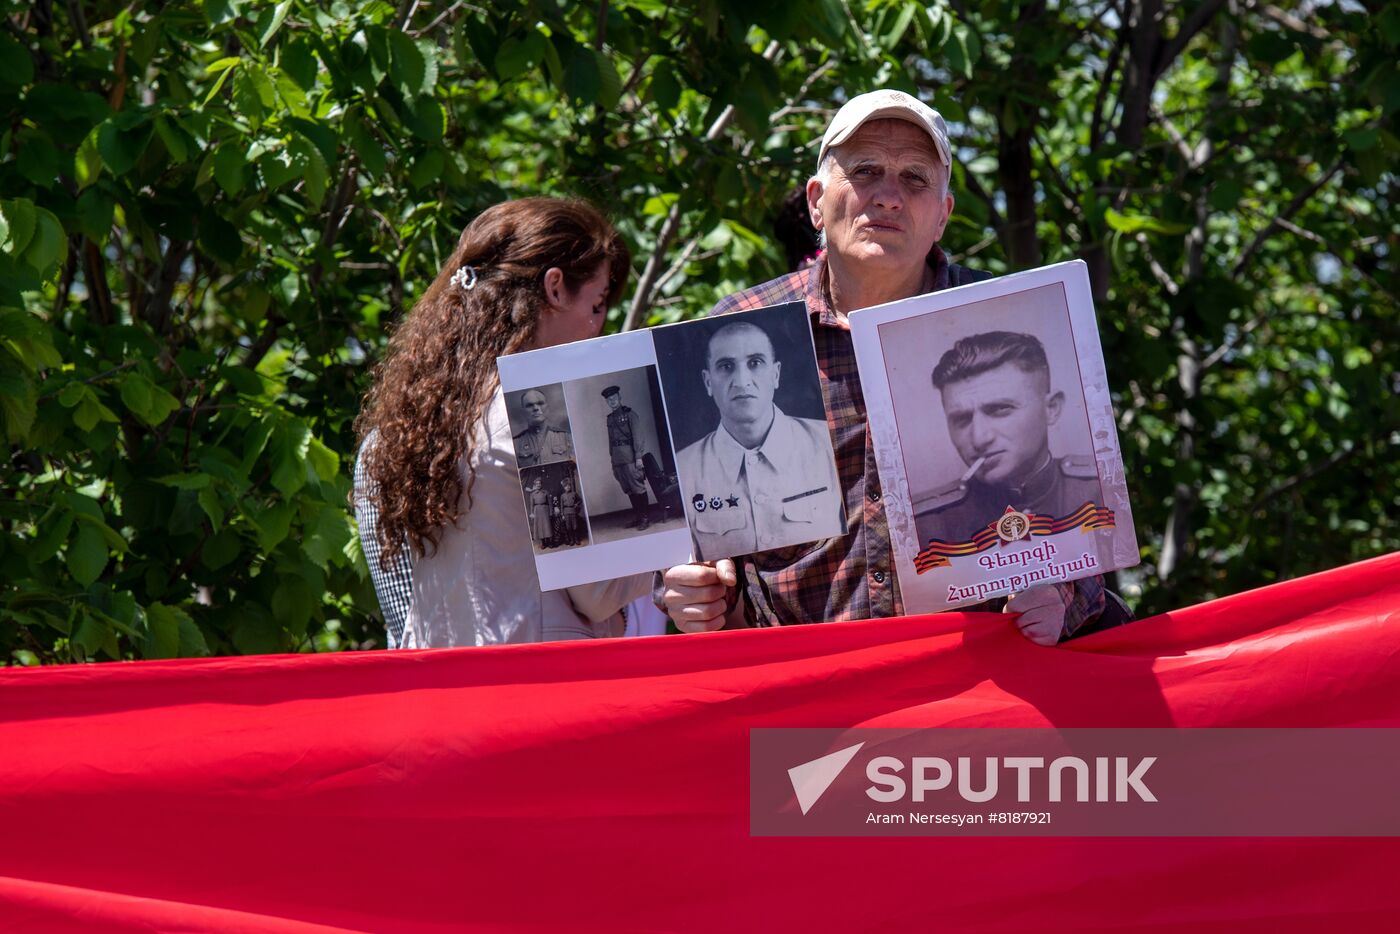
(604, 786)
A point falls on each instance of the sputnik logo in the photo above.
(810, 780)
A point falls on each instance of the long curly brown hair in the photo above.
(439, 373)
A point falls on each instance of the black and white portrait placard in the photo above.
(694, 441)
(995, 437)
(753, 449)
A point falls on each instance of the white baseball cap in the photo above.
(887, 103)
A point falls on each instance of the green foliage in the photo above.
(211, 213)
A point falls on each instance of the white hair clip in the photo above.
(465, 277)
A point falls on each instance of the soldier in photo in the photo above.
(570, 506)
(541, 526)
(627, 445)
(762, 479)
(540, 442)
(999, 406)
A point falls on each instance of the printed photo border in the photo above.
(1016, 554)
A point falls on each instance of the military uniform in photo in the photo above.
(784, 492)
(627, 445)
(961, 510)
(570, 505)
(543, 445)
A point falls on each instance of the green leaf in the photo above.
(900, 24)
(213, 508)
(512, 59)
(109, 535)
(408, 66)
(89, 635)
(609, 82)
(369, 149)
(95, 212)
(220, 549)
(16, 64)
(312, 166)
(218, 12)
(427, 119)
(19, 220)
(290, 443)
(1134, 223)
(48, 246)
(186, 481)
(665, 89)
(582, 82)
(121, 146)
(273, 524)
(18, 403)
(73, 393)
(270, 20)
(228, 163)
(177, 142)
(219, 238)
(293, 603)
(256, 438)
(53, 532)
(87, 554)
(146, 400)
(326, 538)
(162, 632)
(323, 460)
(223, 64)
(299, 62)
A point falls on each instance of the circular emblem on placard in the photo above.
(698, 501)
(1013, 526)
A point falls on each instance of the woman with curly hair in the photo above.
(437, 491)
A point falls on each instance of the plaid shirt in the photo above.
(852, 576)
(393, 585)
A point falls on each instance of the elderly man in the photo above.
(540, 442)
(881, 202)
(999, 407)
(762, 478)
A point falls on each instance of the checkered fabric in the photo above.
(852, 577)
(394, 585)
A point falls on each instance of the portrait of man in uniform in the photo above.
(627, 445)
(540, 429)
(999, 406)
(761, 479)
(624, 454)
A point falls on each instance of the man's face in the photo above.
(742, 375)
(614, 400)
(884, 204)
(536, 408)
(1003, 415)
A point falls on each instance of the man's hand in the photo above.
(640, 465)
(697, 595)
(1042, 610)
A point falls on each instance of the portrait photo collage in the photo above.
(692, 441)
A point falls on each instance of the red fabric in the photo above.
(604, 786)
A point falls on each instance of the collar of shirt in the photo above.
(778, 448)
(1037, 484)
(818, 294)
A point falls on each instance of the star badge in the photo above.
(732, 501)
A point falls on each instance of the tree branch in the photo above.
(646, 285)
(1304, 476)
(1200, 17)
(1293, 207)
